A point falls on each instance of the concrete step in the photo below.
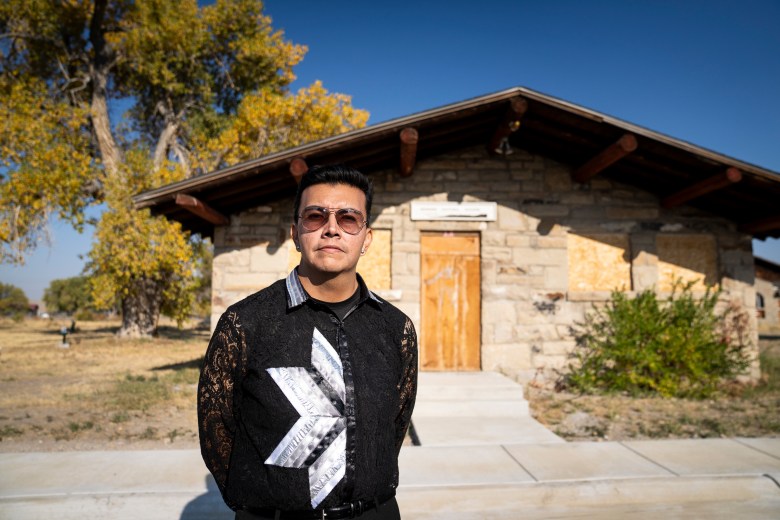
(469, 394)
(475, 431)
(471, 408)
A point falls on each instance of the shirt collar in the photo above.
(296, 295)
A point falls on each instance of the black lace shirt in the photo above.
(298, 409)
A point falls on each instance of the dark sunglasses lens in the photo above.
(349, 222)
(313, 220)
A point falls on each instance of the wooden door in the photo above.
(450, 316)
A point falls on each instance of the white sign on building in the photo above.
(477, 211)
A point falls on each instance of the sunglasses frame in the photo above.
(336, 211)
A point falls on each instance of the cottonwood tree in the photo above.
(68, 295)
(204, 87)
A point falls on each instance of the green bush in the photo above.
(678, 347)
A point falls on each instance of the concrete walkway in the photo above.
(481, 458)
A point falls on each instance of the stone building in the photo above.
(767, 296)
(499, 221)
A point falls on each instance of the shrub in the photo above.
(679, 347)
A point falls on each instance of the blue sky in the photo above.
(706, 72)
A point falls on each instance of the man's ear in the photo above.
(367, 241)
(294, 236)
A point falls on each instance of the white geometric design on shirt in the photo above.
(320, 420)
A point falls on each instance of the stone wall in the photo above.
(556, 248)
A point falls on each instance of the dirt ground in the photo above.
(99, 392)
(103, 393)
(738, 411)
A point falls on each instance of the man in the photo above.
(308, 386)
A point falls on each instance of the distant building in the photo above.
(767, 296)
(499, 221)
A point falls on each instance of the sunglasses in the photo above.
(349, 220)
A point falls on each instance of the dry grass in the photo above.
(99, 392)
(738, 411)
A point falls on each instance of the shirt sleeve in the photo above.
(221, 374)
(407, 385)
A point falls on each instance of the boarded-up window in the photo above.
(599, 262)
(374, 267)
(687, 258)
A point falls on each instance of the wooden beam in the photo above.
(509, 124)
(409, 138)
(714, 183)
(298, 169)
(610, 155)
(764, 225)
(201, 209)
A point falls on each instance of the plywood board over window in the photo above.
(374, 267)
(690, 258)
(599, 262)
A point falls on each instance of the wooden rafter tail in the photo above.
(716, 182)
(509, 124)
(298, 169)
(409, 138)
(201, 209)
(606, 158)
(761, 226)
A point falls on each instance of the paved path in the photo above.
(507, 468)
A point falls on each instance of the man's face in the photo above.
(330, 249)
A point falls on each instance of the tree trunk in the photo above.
(141, 310)
(110, 153)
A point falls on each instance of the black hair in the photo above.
(335, 174)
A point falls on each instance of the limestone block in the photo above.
(494, 238)
(549, 364)
(539, 257)
(235, 257)
(399, 264)
(508, 356)
(468, 176)
(547, 210)
(406, 247)
(263, 259)
(255, 219)
(503, 188)
(595, 212)
(502, 333)
(557, 348)
(556, 278)
(510, 218)
(577, 198)
(535, 188)
(501, 254)
(498, 311)
(550, 242)
(623, 212)
(518, 240)
(513, 292)
(488, 268)
(248, 283)
(442, 163)
(557, 181)
(521, 174)
(219, 236)
(445, 176)
(644, 277)
(565, 331)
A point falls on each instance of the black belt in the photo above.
(348, 510)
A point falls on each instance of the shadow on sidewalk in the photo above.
(208, 506)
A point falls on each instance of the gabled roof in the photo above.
(676, 171)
